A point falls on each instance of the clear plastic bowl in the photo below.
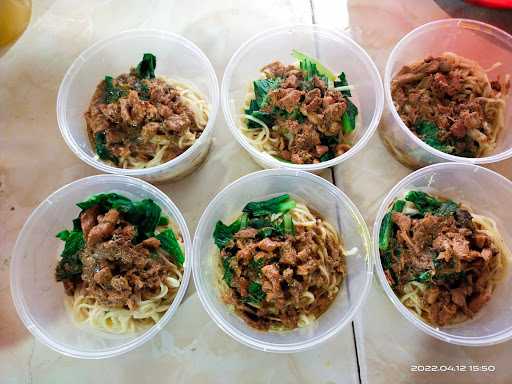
(472, 39)
(334, 206)
(177, 58)
(39, 299)
(471, 185)
(335, 49)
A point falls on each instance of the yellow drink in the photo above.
(14, 18)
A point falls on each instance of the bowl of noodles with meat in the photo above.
(141, 103)
(100, 266)
(443, 252)
(303, 96)
(282, 260)
(447, 90)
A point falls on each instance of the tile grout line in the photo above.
(333, 178)
(352, 323)
(313, 20)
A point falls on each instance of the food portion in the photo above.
(122, 263)
(281, 265)
(441, 260)
(138, 120)
(300, 113)
(449, 102)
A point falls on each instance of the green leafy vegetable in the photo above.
(256, 294)
(399, 205)
(423, 201)
(279, 204)
(260, 222)
(423, 277)
(112, 93)
(163, 221)
(349, 117)
(452, 278)
(261, 89)
(447, 208)
(146, 68)
(386, 227)
(342, 82)
(266, 232)
(296, 114)
(143, 90)
(256, 265)
(329, 140)
(63, 235)
(428, 132)
(312, 67)
(106, 200)
(327, 156)
(101, 148)
(145, 214)
(228, 271)
(244, 221)
(254, 111)
(289, 227)
(77, 224)
(170, 244)
(387, 260)
(223, 233)
(426, 203)
(70, 265)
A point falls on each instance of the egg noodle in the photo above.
(414, 290)
(323, 231)
(197, 103)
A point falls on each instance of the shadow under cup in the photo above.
(485, 193)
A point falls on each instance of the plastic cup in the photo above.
(334, 206)
(335, 49)
(39, 299)
(177, 59)
(468, 38)
(471, 185)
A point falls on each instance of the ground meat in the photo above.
(151, 243)
(88, 219)
(308, 116)
(247, 233)
(439, 90)
(115, 271)
(146, 108)
(284, 268)
(104, 228)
